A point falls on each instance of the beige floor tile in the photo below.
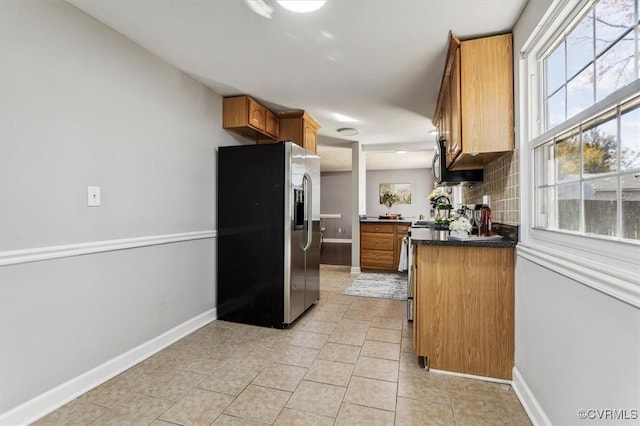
(309, 340)
(384, 335)
(198, 407)
(415, 412)
(323, 327)
(346, 337)
(226, 420)
(289, 417)
(228, 379)
(352, 414)
(335, 307)
(353, 325)
(409, 361)
(330, 372)
(297, 355)
(138, 410)
(115, 391)
(280, 376)
(318, 398)
(474, 410)
(387, 322)
(253, 359)
(377, 368)
(76, 412)
(406, 345)
(171, 384)
(340, 353)
(381, 350)
(327, 316)
(360, 314)
(423, 386)
(372, 393)
(258, 403)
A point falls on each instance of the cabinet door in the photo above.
(310, 137)
(271, 127)
(455, 133)
(257, 115)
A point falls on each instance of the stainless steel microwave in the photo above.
(443, 176)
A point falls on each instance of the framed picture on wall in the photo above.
(395, 193)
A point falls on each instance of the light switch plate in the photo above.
(93, 196)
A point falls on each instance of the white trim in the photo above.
(52, 399)
(355, 270)
(601, 277)
(330, 215)
(528, 400)
(337, 240)
(15, 257)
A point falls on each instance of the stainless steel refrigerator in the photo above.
(268, 233)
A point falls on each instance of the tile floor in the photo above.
(347, 361)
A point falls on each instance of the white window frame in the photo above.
(609, 266)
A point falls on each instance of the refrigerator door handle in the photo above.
(307, 184)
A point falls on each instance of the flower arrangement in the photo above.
(389, 199)
(461, 224)
(439, 199)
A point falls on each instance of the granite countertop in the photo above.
(435, 237)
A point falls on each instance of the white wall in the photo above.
(575, 348)
(421, 185)
(82, 105)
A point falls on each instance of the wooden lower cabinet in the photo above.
(380, 245)
(464, 304)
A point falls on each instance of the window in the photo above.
(586, 172)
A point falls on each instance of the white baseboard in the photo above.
(52, 399)
(471, 376)
(528, 400)
(355, 270)
(337, 240)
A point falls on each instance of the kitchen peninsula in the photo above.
(464, 302)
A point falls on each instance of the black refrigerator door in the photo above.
(251, 249)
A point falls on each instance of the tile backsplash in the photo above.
(502, 183)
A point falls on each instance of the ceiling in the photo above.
(376, 63)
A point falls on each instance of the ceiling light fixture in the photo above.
(401, 151)
(302, 6)
(260, 7)
(348, 131)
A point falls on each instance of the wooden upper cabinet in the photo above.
(475, 104)
(247, 117)
(300, 128)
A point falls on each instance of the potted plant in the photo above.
(389, 199)
(460, 227)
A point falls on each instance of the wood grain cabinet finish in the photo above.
(464, 309)
(474, 112)
(379, 246)
(249, 118)
(300, 128)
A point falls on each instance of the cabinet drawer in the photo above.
(402, 230)
(376, 259)
(386, 228)
(372, 241)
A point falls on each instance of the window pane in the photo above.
(630, 186)
(580, 45)
(567, 152)
(615, 69)
(569, 206)
(545, 169)
(630, 139)
(613, 17)
(545, 207)
(556, 109)
(580, 92)
(600, 148)
(600, 206)
(555, 69)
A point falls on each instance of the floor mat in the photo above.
(382, 285)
